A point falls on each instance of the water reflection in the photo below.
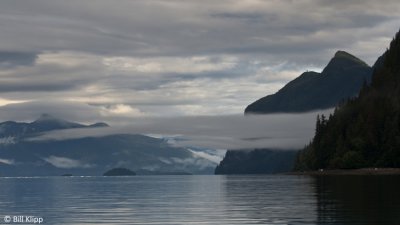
(204, 199)
(358, 199)
(271, 199)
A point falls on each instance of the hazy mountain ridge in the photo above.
(44, 123)
(20, 156)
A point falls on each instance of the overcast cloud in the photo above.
(176, 58)
(185, 69)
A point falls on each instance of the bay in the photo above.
(208, 199)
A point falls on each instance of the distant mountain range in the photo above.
(44, 123)
(340, 79)
(21, 156)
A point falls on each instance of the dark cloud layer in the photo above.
(10, 59)
(42, 86)
(183, 28)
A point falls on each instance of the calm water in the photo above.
(204, 199)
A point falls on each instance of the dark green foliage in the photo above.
(259, 161)
(342, 78)
(365, 130)
(119, 172)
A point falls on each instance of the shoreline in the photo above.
(362, 171)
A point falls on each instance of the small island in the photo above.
(67, 175)
(119, 172)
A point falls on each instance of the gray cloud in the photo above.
(40, 86)
(245, 17)
(29, 111)
(66, 163)
(167, 57)
(7, 161)
(182, 28)
(9, 59)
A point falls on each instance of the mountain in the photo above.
(20, 155)
(44, 123)
(341, 78)
(363, 131)
(258, 161)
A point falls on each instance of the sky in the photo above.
(123, 61)
(173, 58)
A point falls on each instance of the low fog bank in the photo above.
(278, 131)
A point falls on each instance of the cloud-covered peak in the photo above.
(46, 117)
